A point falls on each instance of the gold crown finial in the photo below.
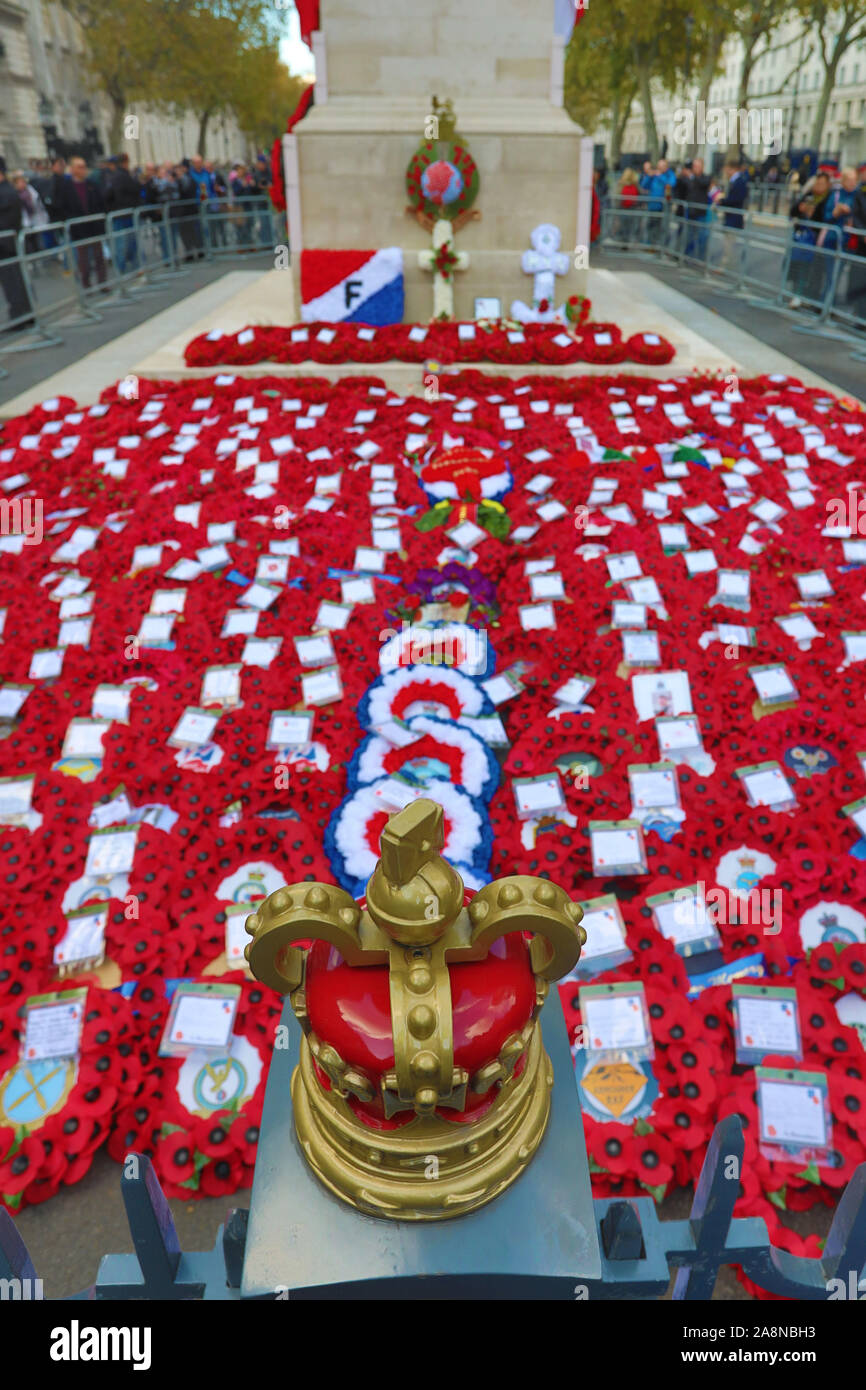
(416, 924)
(414, 894)
(410, 838)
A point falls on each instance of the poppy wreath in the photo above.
(455, 752)
(251, 804)
(578, 308)
(455, 584)
(336, 343)
(439, 168)
(200, 1120)
(53, 1141)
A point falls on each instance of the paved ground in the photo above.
(830, 356)
(81, 336)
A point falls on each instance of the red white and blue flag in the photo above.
(566, 14)
(352, 286)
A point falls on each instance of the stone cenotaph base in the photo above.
(378, 67)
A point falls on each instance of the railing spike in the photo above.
(151, 1224)
(15, 1261)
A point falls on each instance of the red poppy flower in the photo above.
(245, 1138)
(809, 865)
(848, 1100)
(850, 1065)
(819, 1021)
(42, 1190)
(213, 1135)
(77, 1167)
(678, 1120)
(671, 1017)
(17, 1171)
(175, 1154)
(654, 1159)
(222, 1176)
(806, 1197)
(841, 1162)
(825, 965)
(76, 1132)
(93, 1096)
(611, 1146)
(853, 962)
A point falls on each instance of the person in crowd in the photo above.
(206, 193)
(217, 210)
(84, 211)
(603, 187)
(680, 190)
(262, 178)
(203, 180)
(628, 199)
(262, 174)
(54, 197)
(680, 198)
(595, 211)
(732, 200)
(11, 279)
(122, 194)
(840, 217)
(243, 189)
(698, 211)
(810, 212)
(161, 192)
(667, 176)
(187, 211)
(660, 182)
(33, 213)
(39, 175)
(735, 197)
(856, 292)
(153, 212)
(842, 196)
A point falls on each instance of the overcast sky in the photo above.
(293, 52)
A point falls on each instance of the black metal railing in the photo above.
(638, 1251)
(68, 273)
(814, 272)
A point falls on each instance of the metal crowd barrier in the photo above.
(822, 288)
(68, 273)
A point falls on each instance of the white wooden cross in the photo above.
(545, 261)
(443, 289)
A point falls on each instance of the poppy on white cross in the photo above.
(443, 284)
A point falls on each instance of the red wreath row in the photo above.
(443, 343)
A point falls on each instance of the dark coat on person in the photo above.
(10, 220)
(84, 200)
(858, 218)
(54, 196)
(699, 190)
(735, 198)
(122, 191)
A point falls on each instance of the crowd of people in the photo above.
(828, 210)
(186, 201)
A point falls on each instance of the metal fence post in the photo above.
(46, 339)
